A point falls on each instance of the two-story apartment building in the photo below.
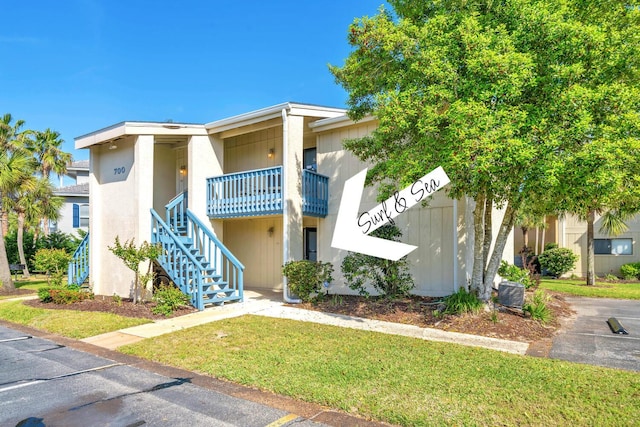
(232, 200)
(74, 214)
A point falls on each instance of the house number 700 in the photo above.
(118, 171)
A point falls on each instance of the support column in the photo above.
(205, 159)
(292, 165)
(143, 154)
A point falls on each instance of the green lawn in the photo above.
(397, 379)
(600, 290)
(69, 323)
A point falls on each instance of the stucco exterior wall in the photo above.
(122, 195)
(164, 183)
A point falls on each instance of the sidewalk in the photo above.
(270, 305)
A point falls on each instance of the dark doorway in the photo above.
(309, 159)
(311, 244)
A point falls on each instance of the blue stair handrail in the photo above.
(196, 261)
(78, 269)
(176, 211)
(178, 261)
(217, 254)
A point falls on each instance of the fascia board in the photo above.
(137, 128)
(337, 122)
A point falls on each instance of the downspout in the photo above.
(455, 245)
(285, 210)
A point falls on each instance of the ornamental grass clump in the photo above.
(462, 302)
(537, 307)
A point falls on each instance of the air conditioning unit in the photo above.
(511, 294)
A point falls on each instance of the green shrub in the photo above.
(513, 273)
(306, 278)
(558, 261)
(68, 296)
(537, 307)
(462, 302)
(630, 271)
(390, 279)
(550, 245)
(54, 262)
(168, 299)
(63, 294)
(43, 293)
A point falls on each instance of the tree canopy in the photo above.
(484, 89)
(24, 154)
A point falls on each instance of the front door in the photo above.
(311, 244)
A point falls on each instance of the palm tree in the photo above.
(15, 167)
(47, 149)
(29, 201)
(11, 139)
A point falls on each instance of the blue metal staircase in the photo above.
(195, 260)
(78, 270)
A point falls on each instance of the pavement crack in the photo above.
(27, 382)
(26, 337)
(161, 386)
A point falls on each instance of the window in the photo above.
(80, 215)
(613, 246)
(309, 159)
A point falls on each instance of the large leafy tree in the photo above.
(600, 167)
(471, 86)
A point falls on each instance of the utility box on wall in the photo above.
(511, 294)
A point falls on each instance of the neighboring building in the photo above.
(611, 252)
(74, 214)
(263, 188)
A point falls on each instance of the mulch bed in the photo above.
(106, 304)
(505, 323)
(419, 311)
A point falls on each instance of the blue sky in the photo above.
(76, 66)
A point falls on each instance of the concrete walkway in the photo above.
(270, 305)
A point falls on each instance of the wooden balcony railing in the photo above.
(259, 192)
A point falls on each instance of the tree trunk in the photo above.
(544, 229)
(525, 246)
(478, 239)
(45, 226)
(494, 262)
(23, 260)
(5, 223)
(488, 233)
(5, 273)
(535, 248)
(591, 267)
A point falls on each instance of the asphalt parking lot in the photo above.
(590, 340)
(45, 383)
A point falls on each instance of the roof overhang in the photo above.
(269, 113)
(138, 128)
(337, 123)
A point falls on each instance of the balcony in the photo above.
(259, 192)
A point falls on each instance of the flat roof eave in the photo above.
(137, 128)
(272, 112)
